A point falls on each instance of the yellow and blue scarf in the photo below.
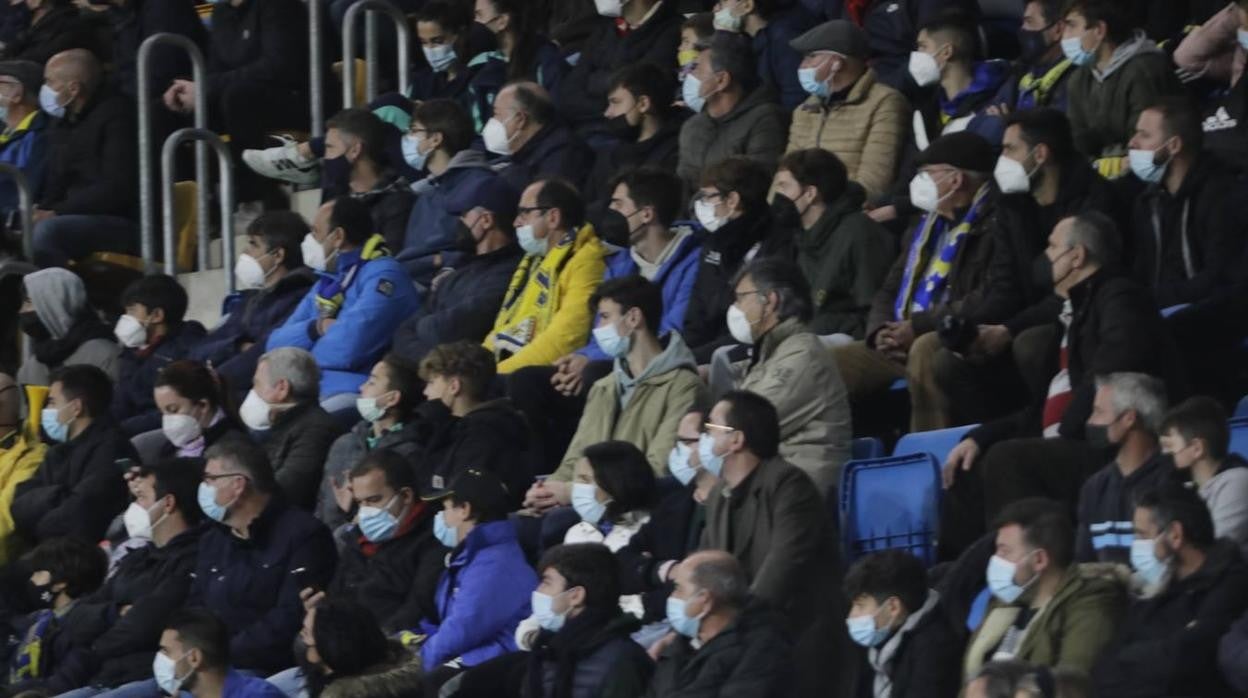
(917, 296)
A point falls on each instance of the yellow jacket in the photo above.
(20, 456)
(545, 313)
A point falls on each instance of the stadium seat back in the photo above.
(938, 443)
(891, 503)
(1239, 436)
(866, 448)
(1241, 410)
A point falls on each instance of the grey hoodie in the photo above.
(674, 356)
(59, 297)
(1135, 46)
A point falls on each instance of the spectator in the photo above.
(728, 645)
(771, 28)
(771, 313)
(431, 241)
(641, 115)
(1042, 71)
(200, 641)
(295, 430)
(389, 561)
(849, 112)
(55, 26)
(842, 253)
(1121, 73)
(482, 593)
(78, 488)
(388, 422)
(252, 567)
(149, 583)
(732, 208)
(1043, 180)
(613, 493)
(1045, 609)
(347, 319)
(21, 453)
(271, 280)
(1129, 408)
(1194, 592)
(342, 651)
(24, 143)
(257, 80)
(634, 32)
(953, 187)
(525, 132)
(355, 144)
(1108, 324)
(696, 29)
(64, 571)
(1195, 435)
(88, 201)
(892, 28)
(483, 433)
(134, 21)
(780, 533)
(524, 53)
(63, 328)
(915, 651)
(153, 332)
(192, 406)
(534, 325)
(733, 114)
(449, 41)
(462, 304)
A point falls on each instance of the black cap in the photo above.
(839, 35)
(493, 194)
(963, 150)
(481, 488)
(29, 73)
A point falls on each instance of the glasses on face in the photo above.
(209, 478)
(738, 295)
(708, 427)
(708, 196)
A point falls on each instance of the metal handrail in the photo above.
(349, 21)
(226, 195)
(316, 74)
(147, 183)
(25, 202)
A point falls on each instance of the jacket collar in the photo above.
(776, 336)
(482, 536)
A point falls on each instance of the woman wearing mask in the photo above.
(194, 411)
(613, 490)
(523, 54)
(342, 651)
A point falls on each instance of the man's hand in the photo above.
(323, 325)
(569, 371)
(662, 644)
(42, 214)
(991, 340)
(180, 97)
(546, 495)
(902, 335)
(883, 214)
(311, 598)
(962, 457)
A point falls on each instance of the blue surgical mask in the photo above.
(378, 524)
(445, 534)
(678, 616)
(585, 502)
(1001, 579)
(1144, 165)
(691, 92)
(806, 76)
(611, 342)
(1144, 561)
(713, 463)
(1074, 50)
(207, 497)
(411, 152)
(49, 419)
(1241, 35)
(529, 243)
(678, 464)
(49, 101)
(440, 58)
(4, 115)
(862, 630)
(544, 611)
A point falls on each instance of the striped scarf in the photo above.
(923, 289)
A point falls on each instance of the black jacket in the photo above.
(553, 152)
(1168, 645)
(927, 663)
(133, 403)
(723, 254)
(61, 29)
(1183, 245)
(1107, 505)
(390, 204)
(661, 150)
(78, 488)
(260, 41)
(750, 658)
(395, 580)
(297, 444)
(590, 657)
(1115, 327)
(493, 437)
(93, 161)
(673, 531)
(134, 22)
(463, 306)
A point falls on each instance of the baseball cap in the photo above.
(493, 194)
(482, 489)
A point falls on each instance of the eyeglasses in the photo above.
(214, 478)
(721, 428)
(707, 196)
(738, 295)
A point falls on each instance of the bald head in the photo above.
(720, 575)
(75, 75)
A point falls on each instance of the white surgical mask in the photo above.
(1011, 176)
(369, 409)
(678, 463)
(255, 411)
(439, 58)
(585, 502)
(529, 242)
(495, 136)
(130, 332)
(924, 68)
(544, 611)
(248, 274)
(1000, 579)
(165, 671)
(1241, 36)
(180, 429)
(739, 325)
(313, 253)
(713, 462)
(704, 211)
(610, 8)
(691, 92)
(725, 21)
(611, 342)
(411, 151)
(924, 193)
(862, 630)
(138, 521)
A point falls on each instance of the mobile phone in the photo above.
(303, 579)
(125, 464)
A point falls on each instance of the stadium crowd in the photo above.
(562, 390)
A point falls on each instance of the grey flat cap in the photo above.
(839, 35)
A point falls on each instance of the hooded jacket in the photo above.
(349, 449)
(643, 410)
(723, 253)
(751, 656)
(406, 679)
(1104, 106)
(554, 151)
(794, 370)
(430, 228)
(756, 128)
(1226, 494)
(493, 436)
(1107, 505)
(662, 150)
(132, 395)
(297, 444)
(76, 336)
(914, 661)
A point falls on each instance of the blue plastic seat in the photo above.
(866, 447)
(1239, 436)
(1241, 410)
(888, 503)
(938, 443)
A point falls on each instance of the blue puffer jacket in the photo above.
(430, 229)
(378, 300)
(133, 404)
(26, 149)
(481, 598)
(676, 277)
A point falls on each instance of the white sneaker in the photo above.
(284, 162)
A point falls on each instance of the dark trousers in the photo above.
(63, 238)
(553, 415)
(980, 390)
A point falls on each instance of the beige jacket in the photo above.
(866, 131)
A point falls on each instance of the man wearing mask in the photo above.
(526, 134)
(355, 146)
(1042, 69)
(463, 301)
(771, 27)
(1196, 436)
(194, 659)
(1128, 407)
(348, 318)
(63, 328)
(849, 113)
(1045, 609)
(892, 27)
(1193, 589)
(943, 261)
(78, 489)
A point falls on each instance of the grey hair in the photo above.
(298, 368)
(786, 280)
(1139, 392)
(1097, 234)
(732, 54)
(722, 577)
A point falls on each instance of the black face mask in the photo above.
(464, 240)
(40, 595)
(613, 228)
(1032, 45)
(619, 127)
(784, 213)
(33, 327)
(1097, 436)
